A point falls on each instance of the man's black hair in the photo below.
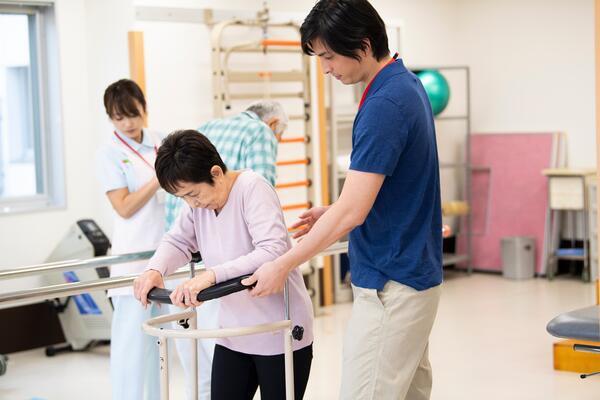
(343, 26)
(186, 156)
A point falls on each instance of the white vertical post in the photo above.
(194, 353)
(163, 356)
(194, 359)
(287, 345)
(289, 364)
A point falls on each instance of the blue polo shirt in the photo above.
(394, 135)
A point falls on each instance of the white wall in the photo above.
(93, 52)
(532, 65)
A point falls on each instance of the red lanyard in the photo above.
(364, 95)
(135, 151)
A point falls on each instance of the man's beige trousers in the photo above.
(386, 343)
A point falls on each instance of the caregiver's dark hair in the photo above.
(343, 26)
(121, 99)
(186, 156)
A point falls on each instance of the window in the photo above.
(29, 110)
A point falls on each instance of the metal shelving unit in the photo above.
(463, 166)
(569, 197)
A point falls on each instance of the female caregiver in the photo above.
(125, 168)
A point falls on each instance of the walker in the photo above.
(151, 327)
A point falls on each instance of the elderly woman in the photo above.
(235, 221)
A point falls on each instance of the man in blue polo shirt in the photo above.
(390, 205)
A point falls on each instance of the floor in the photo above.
(489, 342)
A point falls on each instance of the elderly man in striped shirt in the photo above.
(247, 140)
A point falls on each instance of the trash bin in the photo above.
(518, 257)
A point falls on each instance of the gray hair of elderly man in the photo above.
(272, 114)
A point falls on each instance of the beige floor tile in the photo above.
(489, 342)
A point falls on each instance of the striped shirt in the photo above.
(243, 142)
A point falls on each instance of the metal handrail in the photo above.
(27, 296)
(20, 297)
(69, 265)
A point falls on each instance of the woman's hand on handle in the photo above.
(186, 294)
(146, 282)
(307, 220)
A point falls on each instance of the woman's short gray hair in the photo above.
(267, 109)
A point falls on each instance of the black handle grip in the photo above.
(214, 292)
(160, 295)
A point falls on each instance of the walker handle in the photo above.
(219, 290)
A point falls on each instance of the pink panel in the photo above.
(509, 193)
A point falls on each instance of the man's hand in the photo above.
(307, 220)
(185, 295)
(269, 278)
(146, 282)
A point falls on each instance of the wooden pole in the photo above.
(325, 199)
(597, 53)
(136, 58)
(137, 70)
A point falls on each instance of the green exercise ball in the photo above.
(437, 89)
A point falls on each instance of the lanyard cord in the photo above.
(134, 150)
